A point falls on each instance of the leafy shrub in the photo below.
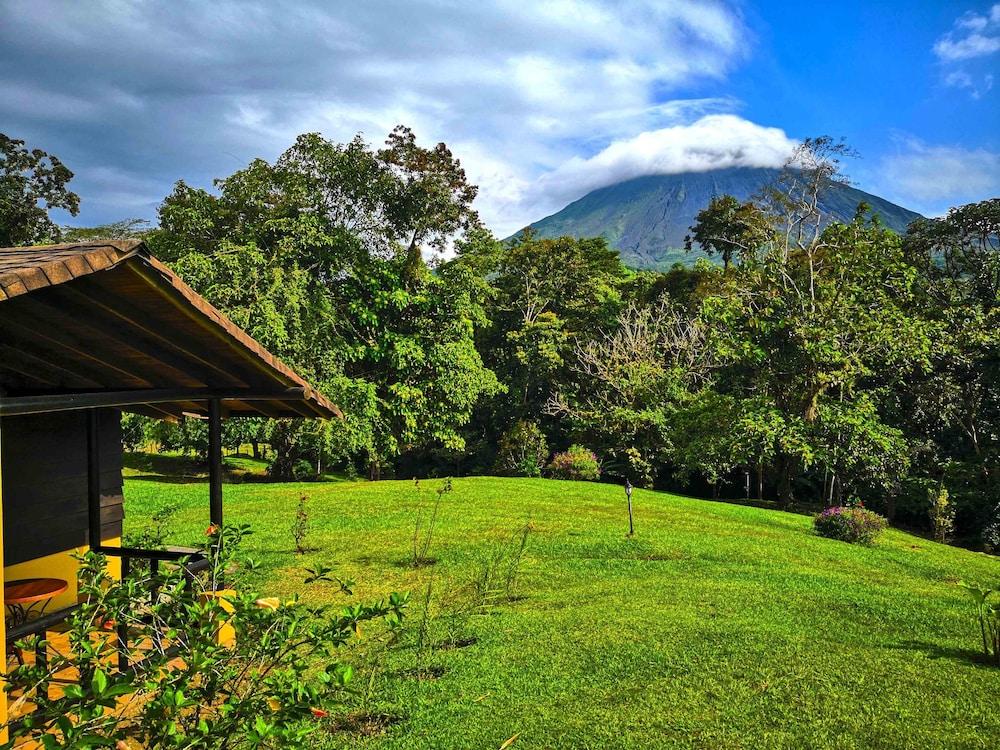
(942, 514)
(988, 613)
(991, 537)
(189, 685)
(522, 451)
(303, 471)
(850, 524)
(576, 463)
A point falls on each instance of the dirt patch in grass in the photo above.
(364, 724)
(456, 643)
(424, 673)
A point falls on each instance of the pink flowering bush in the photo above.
(850, 524)
(577, 463)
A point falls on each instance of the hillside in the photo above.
(647, 218)
(717, 626)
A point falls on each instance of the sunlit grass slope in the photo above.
(717, 626)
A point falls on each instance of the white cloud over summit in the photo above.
(711, 142)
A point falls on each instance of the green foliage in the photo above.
(185, 689)
(423, 530)
(300, 525)
(32, 183)
(134, 431)
(942, 514)
(729, 228)
(852, 524)
(318, 256)
(522, 451)
(988, 614)
(577, 463)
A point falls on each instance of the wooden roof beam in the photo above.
(61, 341)
(92, 294)
(100, 399)
(41, 370)
(71, 316)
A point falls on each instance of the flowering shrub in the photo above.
(850, 524)
(576, 463)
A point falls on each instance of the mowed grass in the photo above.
(716, 626)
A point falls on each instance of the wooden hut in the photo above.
(88, 331)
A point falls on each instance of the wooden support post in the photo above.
(94, 478)
(215, 460)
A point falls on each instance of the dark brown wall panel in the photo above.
(45, 482)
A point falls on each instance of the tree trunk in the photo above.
(786, 497)
(255, 447)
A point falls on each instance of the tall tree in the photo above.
(32, 183)
(955, 410)
(319, 256)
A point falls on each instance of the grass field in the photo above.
(716, 626)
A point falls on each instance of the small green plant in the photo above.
(942, 514)
(988, 613)
(577, 463)
(188, 684)
(154, 536)
(423, 533)
(853, 524)
(300, 526)
(497, 578)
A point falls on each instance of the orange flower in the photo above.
(319, 713)
(212, 529)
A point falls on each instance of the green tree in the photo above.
(728, 228)
(954, 410)
(32, 183)
(543, 296)
(629, 382)
(318, 256)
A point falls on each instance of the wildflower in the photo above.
(319, 713)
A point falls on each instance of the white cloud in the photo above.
(194, 90)
(973, 45)
(712, 142)
(930, 179)
(972, 36)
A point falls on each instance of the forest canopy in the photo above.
(817, 363)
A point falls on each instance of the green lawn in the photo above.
(717, 626)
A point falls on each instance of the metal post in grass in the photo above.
(628, 496)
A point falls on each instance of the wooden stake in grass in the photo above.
(628, 496)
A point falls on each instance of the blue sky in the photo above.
(541, 101)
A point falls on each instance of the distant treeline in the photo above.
(814, 364)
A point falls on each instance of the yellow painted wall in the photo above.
(60, 565)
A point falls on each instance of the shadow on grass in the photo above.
(935, 651)
(180, 469)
